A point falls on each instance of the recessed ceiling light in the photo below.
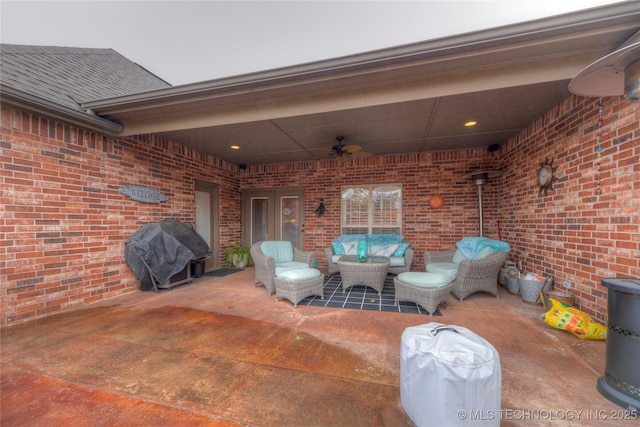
(471, 123)
(235, 147)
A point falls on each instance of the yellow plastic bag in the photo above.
(567, 318)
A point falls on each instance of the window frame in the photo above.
(371, 227)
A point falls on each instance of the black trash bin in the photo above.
(621, 381)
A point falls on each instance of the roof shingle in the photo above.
(68, 76)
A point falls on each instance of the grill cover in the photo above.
(449, 376)
(161, 249)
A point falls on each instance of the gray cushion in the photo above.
(448, 269)
(299, 274)
(423, 280)
(280, 251)
(286, 266)
(396, 261)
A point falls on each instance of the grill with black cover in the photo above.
(159, 250)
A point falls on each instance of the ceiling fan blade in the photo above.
(362, 154)
(351, 148)
(323, 149)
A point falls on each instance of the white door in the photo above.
(206, 204)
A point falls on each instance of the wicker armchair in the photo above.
(473, 275)
(267, 268)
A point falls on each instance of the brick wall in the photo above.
(571, 234)
(421, 176)
(63, 221)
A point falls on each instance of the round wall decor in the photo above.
(436, 202)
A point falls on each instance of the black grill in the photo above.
(161, 251)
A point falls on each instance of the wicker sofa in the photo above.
(272, 258)
(476, 273)
(391, 245)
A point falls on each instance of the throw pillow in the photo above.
(402, 248)
(386, 250)
(338, 249)
(350, 248)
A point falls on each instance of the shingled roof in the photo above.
(67, 76)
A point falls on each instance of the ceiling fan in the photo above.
(344, 152)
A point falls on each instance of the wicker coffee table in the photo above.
(371, 273)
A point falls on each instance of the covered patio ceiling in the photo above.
(408, 99)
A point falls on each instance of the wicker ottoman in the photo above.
(296, 285)
(425, 289)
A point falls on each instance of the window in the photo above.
(371, 209)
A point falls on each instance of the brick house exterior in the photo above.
(64, 223)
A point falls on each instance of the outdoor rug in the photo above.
(362, 298)
(222, 272)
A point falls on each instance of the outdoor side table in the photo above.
(371, 273)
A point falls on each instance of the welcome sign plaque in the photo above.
(143, 194)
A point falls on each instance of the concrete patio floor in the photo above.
(220, 352)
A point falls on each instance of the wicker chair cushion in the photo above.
(459, 256)
(280, 251)
(447, 269)
(484, 253)
(288, 266)
(423, 280)
(299, 274)
(396, 261)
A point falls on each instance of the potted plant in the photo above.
(239, 256)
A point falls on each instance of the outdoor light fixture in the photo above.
(615, 74)
(235, 147)
(470, 123)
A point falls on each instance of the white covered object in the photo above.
(449, 376)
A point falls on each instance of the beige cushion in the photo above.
(423, 280)
(287, 266)
(299, 274)
(448, 269)
(396, 261)
(483, 253)
(458, 256)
